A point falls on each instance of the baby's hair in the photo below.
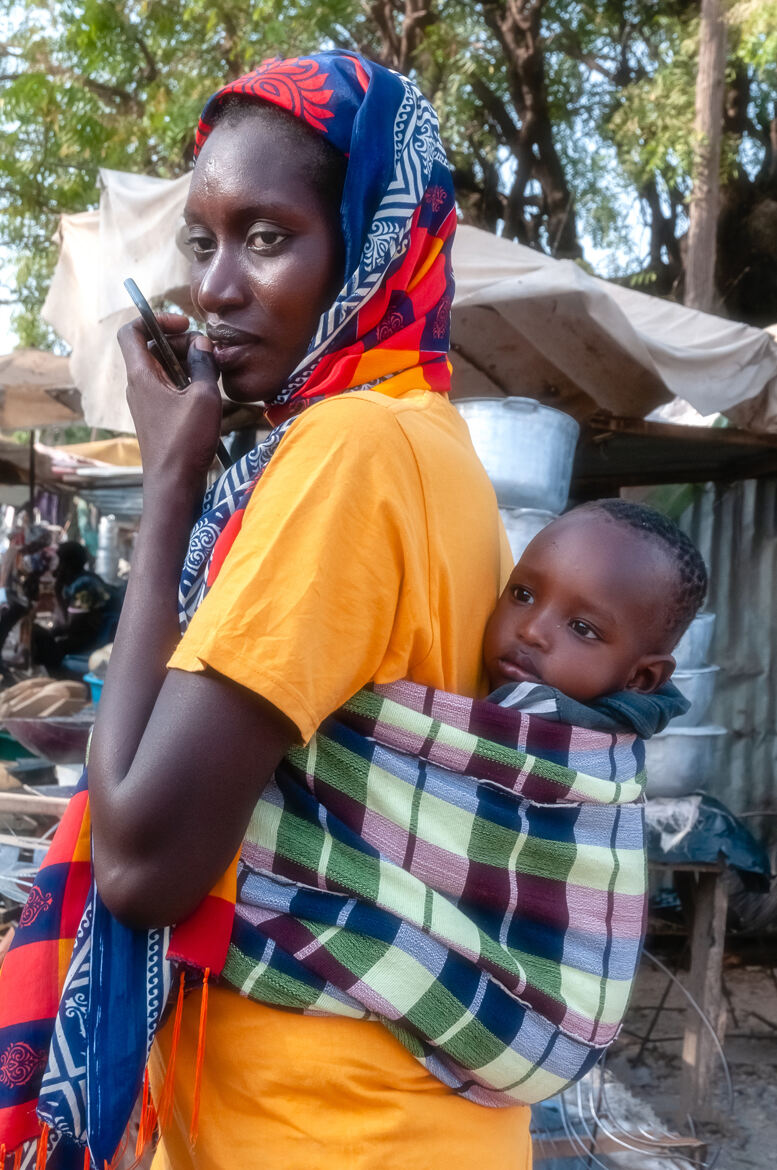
(328, 165)
(691, 572)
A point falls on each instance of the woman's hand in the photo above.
(178, 430)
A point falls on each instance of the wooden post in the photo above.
(31, 476)
(708, 935)
(708, 130)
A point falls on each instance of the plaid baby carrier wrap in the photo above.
(471, 875)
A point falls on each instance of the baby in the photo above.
(595, 606)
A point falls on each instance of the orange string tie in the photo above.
(117, 1157)
(2, 1155)
(87, 1159)
(152, 1120)
(142, 1141)
(200, 1060)
(168, 1088)
(43, 1145)
(17, 1158)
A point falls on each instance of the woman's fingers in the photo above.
(173, 322)
(133, 341)
(178, 430)
(136, 346)
(202, 364)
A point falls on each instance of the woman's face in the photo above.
(266, 254)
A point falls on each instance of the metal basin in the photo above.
(694, 646)
(698, 686)
(527, 449)
(680, 760)
(522, 525)
(59, 738)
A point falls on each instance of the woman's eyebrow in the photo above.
(260, 207)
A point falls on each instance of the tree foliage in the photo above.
(569, 124)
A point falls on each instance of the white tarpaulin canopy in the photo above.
(132, 234)
(523, 323)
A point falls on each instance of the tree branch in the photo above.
(499, 112)
(126, 101)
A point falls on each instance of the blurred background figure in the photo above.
(86, 615)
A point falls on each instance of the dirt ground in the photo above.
(746, 1134)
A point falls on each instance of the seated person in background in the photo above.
(89, 610)
(30, 557)
(593, 610)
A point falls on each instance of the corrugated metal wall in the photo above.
(736, 529)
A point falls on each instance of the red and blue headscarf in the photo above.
(389, 326)
(397, 216)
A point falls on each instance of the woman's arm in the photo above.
(178, 760)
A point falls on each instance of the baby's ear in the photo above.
(651, 672)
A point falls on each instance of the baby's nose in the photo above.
(535, 631)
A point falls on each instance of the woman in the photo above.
(369, 549)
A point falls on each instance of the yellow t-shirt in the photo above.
(371, 549)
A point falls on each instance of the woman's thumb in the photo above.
(200, 360)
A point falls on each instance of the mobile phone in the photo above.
(167, 359)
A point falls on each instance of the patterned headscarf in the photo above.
(390, 324)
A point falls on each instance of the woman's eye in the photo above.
(584, 630)
(265, 239)
(521, 594)
(199, 245)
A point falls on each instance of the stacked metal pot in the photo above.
(527, 450)
(682, 758)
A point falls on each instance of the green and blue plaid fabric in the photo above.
(470, 874)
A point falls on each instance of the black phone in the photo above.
(165, 354)
(167, 358)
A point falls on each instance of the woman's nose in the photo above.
(221, 285)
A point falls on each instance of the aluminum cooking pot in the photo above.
(694, 646)
(527, 449)
(681, 759)
(522, 525)
(698, 686)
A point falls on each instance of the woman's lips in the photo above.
(230, 345)
(229, 355)
(519, 670)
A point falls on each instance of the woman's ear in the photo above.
(650, 673)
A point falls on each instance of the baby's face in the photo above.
(584, 611)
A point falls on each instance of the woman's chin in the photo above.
(241, 387)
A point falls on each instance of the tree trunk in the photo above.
(517, 25)
(708, 127)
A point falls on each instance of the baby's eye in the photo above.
(521, 594)
(265, 238)
(583, 629)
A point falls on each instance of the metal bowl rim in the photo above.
(702, 729)
(686, 671)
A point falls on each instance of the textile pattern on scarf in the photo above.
(73, 972)
(471, 875)
(390, 324)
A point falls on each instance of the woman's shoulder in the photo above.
(374, 417)
(354, 422)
